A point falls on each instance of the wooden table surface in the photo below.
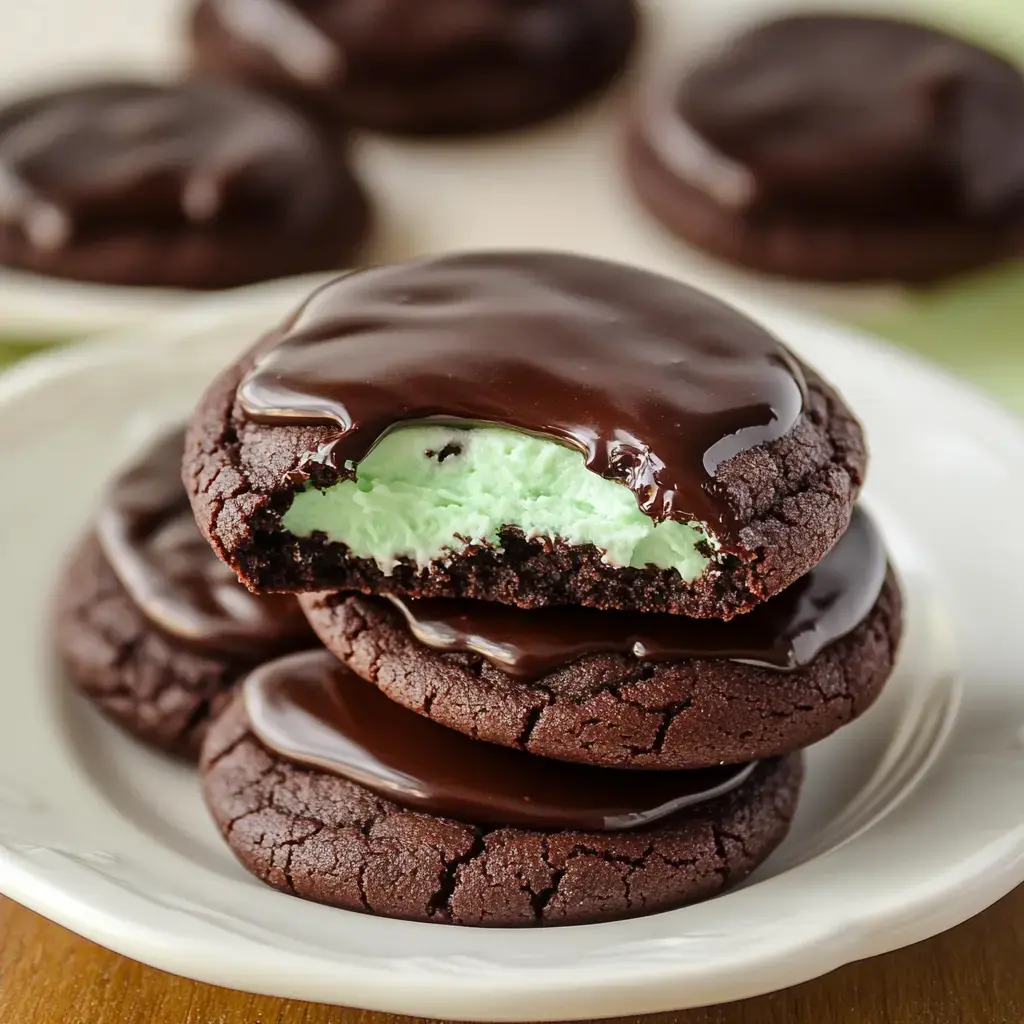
(971, 975)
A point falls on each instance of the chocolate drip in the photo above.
(828, 116)
(152, 543)
(312, 710)
(784, 633)
(656, 384)
(159, 157)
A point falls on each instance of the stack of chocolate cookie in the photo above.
(151, 626)
(581, 545)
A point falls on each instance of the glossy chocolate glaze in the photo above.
(151, 540)
(655, 383)
(159, 158)
(286, 32)
(311, 710)
(785, 633)
(324, 42)
(841, 115)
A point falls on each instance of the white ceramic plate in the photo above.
(912, 819)
(557, 186)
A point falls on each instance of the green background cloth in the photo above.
(975, 326)
(12, 351)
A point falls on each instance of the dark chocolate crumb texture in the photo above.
(525, 428)
(633, 690)
(840, 147)
(327, 790)
(190, 185)
(150, 625)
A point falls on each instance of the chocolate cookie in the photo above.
(149, 624)
(526, 428)
(448, 66)
(840, 148)
(637, 691)
(375, 809)
(196, 185)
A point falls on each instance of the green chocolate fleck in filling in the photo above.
(427, 492)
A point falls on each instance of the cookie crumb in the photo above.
(450, 449)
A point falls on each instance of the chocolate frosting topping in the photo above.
(356, 37)
(151, 540)
(849, 114)
(310, 709)
(656, 384)
(785, 633)
(197, 155)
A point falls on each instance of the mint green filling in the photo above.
(405, 503)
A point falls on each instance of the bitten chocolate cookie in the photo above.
(840, 148)
(195, 185)
(447, 66)
(149, 624)
(631, 690)
(325, 789)
(528, 428)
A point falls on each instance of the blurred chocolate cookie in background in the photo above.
(443, 67)
(198, 185)
(839, 148)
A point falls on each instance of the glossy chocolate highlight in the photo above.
(82, 161)
(656, 384)
(311, 710)
(845, 116)
(151, 540)
(785, 633)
